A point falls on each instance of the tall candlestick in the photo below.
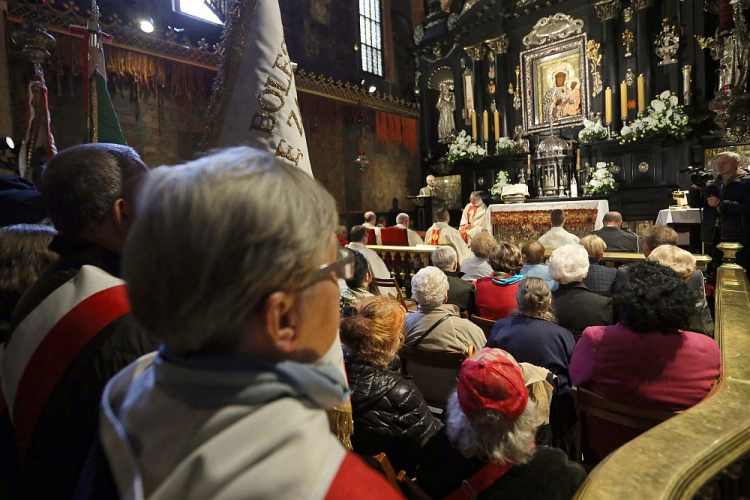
(608, 106)
(486, 125)
(474, 125)
(624, 100)
(528, 164)
(641, 94)
(578, 159)
(497, 126)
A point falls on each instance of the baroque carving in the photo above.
(418, 34)
(468, 4)
(627, 14)
(552, 28)
(476, 52)
(627, 41)
(594, 58)
(606, 10)
(498, 45)
(452, 20)
(642, 4)
(667, 43)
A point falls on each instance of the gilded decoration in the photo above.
(555, 85)
(667, 43)
(606, 10)
(476, 52)
(498, 45)
(525, 225)
(594, 58)
(627, 14)
(552, 28)
(642, 4)
(627, 42)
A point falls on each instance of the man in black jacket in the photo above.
(616, 238)
(726, 211)
(72, 331)
(460, 292)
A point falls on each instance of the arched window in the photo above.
(371, 36)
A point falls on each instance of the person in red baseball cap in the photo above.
(487, 448)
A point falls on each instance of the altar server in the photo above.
(557, 236)
(440, 233)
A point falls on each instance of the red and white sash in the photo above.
(49, 339)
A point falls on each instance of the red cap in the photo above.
(492, 379)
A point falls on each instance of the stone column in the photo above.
(607, 11)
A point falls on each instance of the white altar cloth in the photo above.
(684, 216)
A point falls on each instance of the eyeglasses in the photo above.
(342, 267)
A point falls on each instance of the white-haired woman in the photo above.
(245, 300)
(490, 436)
(438, 326)
(576, 307)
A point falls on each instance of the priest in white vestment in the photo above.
(475, 219)
(440, 233)
(370, 223)
(358, 242)
(402, 221)
(557, 236)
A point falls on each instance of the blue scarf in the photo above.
(508, 280)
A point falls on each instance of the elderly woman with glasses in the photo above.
(390, 414)
(245, 301)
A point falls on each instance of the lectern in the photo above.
(426, 207)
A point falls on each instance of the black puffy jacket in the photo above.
(390, 415)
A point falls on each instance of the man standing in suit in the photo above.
(616, 238)
(429, 189)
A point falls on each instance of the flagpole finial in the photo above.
(95, 11)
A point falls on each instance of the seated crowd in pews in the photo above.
(172, 334)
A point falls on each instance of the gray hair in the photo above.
(476, 194)
(370, 216)
(569, 264)
(488, 436)
(208, 246)
(402, 218)
(429, 286)
(80, 184)
(444, 258)
(729, 154)
(535, 299)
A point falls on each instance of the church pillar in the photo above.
(499, 47)
(644, 44)
(607, 11)
(476, 53)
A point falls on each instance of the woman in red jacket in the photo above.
(495, 297)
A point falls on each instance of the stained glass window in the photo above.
(370, 36)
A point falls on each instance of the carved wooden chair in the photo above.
(485, 324)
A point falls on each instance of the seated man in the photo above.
(358, 239)
(576, 307)
(72, 330)
(371, 223)
(403, 221)
(557, 236)
(460, 292)
(616, 238)
(440, 233)
(487, 446)
(533, 267)
(475, 218)
(233, 404)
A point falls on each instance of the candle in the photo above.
(486, 125)
(578, 159)
(641, 94)
(608, 106)
(528, 164)
(497, 126)
(624, 100)
(474, 125)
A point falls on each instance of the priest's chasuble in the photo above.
(479, 218)
(446, 235)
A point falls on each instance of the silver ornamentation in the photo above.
(629, 77)
(687, 80)
(418, 34)
(452, 19)
(643, 167)
(552, 28)
(667, 43)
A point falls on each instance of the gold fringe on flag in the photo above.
(342, 423)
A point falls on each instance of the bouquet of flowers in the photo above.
(592, 130)
(506, 145)
(463, 148)
(664, 116)
(602, 181)
(502, 181)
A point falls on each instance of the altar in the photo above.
(521, 222)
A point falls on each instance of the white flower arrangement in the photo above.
(463, 148)
(502, 181)
(664, 116)
(506, 145)
(592, 130)
(602, 181)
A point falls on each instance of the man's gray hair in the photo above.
(444, 258)
(730, 154)
(402, 218)
(429, 286)
(488, 436)
(569, 264)
(80, 184)
(209, 246)
(476, 194)
(370, 216)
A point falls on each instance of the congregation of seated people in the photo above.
(266, 358)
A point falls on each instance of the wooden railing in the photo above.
(617, 258)
(703, 453)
